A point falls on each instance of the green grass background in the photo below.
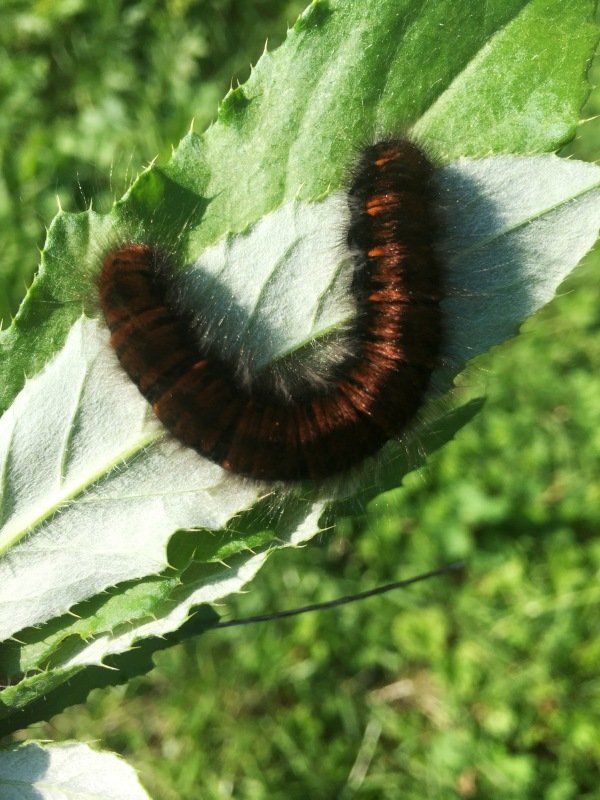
(484, 686)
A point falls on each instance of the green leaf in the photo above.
(349, 71)
(82, 456)
(519, 92)
(92, 489)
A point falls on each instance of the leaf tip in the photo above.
(234, 105)
(314, 16)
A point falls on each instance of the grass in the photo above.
(484, 685)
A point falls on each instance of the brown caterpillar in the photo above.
(317, 428)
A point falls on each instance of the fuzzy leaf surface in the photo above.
(37, 772)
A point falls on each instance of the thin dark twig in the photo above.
(342, 601)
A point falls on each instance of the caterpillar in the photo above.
(371, 392)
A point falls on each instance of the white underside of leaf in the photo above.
(513, 227)
(91, 504)
(228, 582)
(91, 487)
(73, 771)
(282, 283)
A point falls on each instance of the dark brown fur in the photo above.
(322, 429)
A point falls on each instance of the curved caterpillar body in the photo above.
(322, 427)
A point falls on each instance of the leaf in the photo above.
(262, 185)
(349, 71)
(36, 772)
(74, 651)
(512, 230)
(44, 694)
(516, 93)
(78, 468)
(82, 456)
